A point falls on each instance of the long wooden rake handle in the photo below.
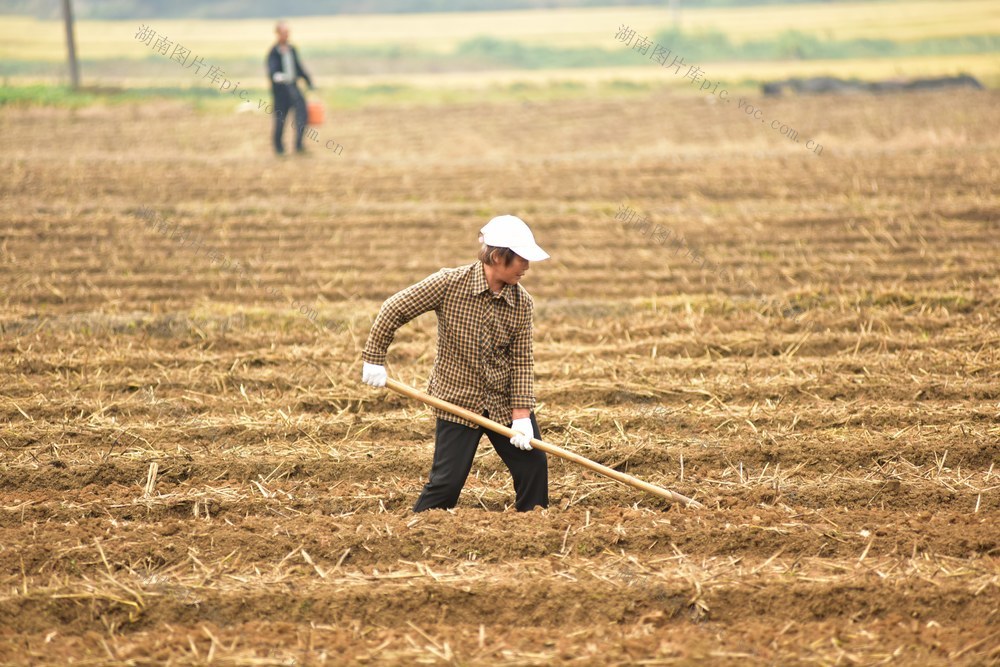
(406, 390)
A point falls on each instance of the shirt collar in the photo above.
(479, 285)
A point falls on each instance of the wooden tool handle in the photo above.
(624, 478)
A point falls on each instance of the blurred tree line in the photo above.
(143, 9)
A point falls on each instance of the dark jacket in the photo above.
(274, 65)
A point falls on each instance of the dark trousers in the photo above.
(454, 447)
(286, 98)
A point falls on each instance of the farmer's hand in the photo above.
(523, 432)
(279, 77)
(374, 375)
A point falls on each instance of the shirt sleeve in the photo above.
(273, 64)
(522, 382)
(300, 69)
(399, 309)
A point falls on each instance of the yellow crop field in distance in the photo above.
(26, 38)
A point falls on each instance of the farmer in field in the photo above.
(284, 70)
(484, 362)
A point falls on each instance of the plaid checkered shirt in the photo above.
(484, 357)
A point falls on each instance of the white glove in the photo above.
(374, 375)
(279, 77)
(523, 431)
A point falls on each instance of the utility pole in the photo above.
(74, 68)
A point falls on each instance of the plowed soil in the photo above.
(829, 388)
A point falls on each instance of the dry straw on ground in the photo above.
(191, 472)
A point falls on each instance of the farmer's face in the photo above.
(513, 272)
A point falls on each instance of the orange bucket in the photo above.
(316, 112)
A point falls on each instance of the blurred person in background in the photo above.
(284, 70)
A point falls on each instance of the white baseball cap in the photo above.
(509, 231)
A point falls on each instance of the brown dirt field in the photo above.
(840, 418)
